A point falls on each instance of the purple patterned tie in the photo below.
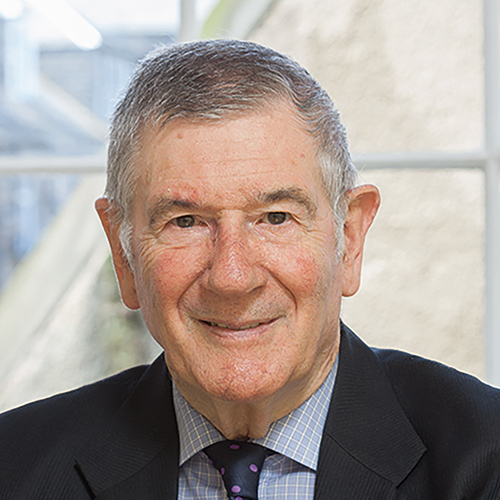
(240, 464)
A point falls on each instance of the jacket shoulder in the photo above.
(77, 405)
(47, 434)
(455, 414)
(431, 387)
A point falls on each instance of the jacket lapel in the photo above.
(137, 454)
(369, 446)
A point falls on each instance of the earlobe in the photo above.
(123, 270)
(363, 204)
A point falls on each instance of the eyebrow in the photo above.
(295, 194)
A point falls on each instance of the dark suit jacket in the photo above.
(399, 427)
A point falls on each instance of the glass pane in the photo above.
(27, 205)
(405, 75)
(61, 320)
(423, 273)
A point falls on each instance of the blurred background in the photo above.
(417, 85)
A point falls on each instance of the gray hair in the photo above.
(210, 80)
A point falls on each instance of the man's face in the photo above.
(234, 257)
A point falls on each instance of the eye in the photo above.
(185, 221)
(276, 218)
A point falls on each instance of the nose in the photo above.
(233, 268)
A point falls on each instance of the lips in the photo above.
(236, 327)
(222, 325)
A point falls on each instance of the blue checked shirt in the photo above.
(289, 472)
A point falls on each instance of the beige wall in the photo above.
(406, 76)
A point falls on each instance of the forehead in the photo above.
(245, 152)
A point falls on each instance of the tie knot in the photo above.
(240, 464)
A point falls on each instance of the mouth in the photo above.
(237, 328)
(232, 327)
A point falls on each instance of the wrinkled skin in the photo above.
(234, 265)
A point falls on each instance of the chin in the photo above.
(246, 386)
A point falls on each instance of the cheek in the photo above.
(166, 273)
(307, 271)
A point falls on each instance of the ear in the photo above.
(123, 270)
(363, 202)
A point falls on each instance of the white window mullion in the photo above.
(491, 18)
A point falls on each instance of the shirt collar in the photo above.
(296, 435)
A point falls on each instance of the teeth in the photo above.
(222, 325)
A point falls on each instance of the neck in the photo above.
(251, 420)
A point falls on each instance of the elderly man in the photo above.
(236, 227)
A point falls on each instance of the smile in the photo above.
(231, 327)
(222, 325)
